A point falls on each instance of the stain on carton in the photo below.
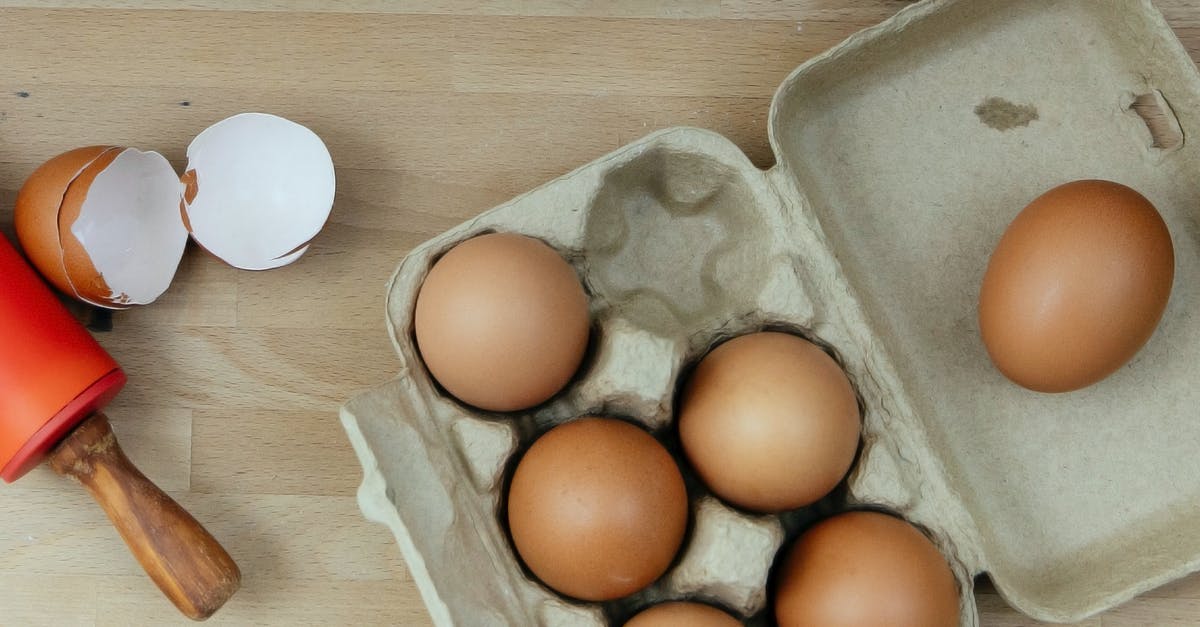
(1003, 115)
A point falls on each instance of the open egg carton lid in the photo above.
(902, 155)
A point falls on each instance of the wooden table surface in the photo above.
(434, 110)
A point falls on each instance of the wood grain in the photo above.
(434, 110)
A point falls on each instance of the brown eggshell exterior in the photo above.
(502, 322)
(683, 614)
(89, 284)
(866, 569)
(597, 509)
(769, 421)
(1076, 286)
(36, 213)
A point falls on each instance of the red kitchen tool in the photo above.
(54, 380)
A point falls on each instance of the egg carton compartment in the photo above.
(636, 351)
(657, 232)
(894, 183)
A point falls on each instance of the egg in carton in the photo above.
(903, 153)
(681, 243)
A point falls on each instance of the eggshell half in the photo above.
(85, 280)
(36, 212)
(122, 238)
(259, 188)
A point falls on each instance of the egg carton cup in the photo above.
(902, 154)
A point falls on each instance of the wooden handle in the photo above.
(186, 562)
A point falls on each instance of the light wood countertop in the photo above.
(434, 110)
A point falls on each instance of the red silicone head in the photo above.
(53, 374)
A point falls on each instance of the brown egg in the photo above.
(769, 421)
(865, 569)
(502, 322)
(1076, 286)
(597, 509)
(682, 614)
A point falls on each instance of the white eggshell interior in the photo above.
(129, 225)
(264, 188)
(61, 261)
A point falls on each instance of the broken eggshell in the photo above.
(258, 190)
(35, 215)
(94, 222)
(121, 241)
(108, 225)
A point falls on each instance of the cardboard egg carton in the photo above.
(902, 155)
